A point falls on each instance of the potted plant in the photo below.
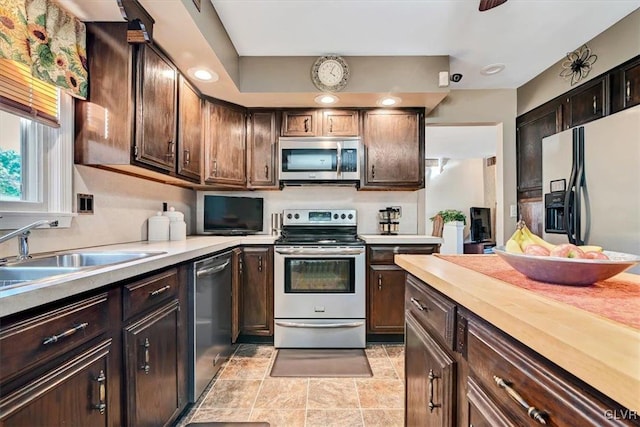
(451, 215)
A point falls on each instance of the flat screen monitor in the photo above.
(480, 225)
(232, 215)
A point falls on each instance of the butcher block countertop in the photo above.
(600, 351)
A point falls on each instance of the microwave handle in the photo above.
(339, 159)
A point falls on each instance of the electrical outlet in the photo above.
(85, 204)
(513, 211)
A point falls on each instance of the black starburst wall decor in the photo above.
(578, 64)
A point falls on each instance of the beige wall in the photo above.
(613, 47)
(122, 206)
(489, 107)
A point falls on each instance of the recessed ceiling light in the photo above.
(326, 99)
(203, 74)
(492, 69)
(388, 101)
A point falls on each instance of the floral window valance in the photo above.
(48, 39)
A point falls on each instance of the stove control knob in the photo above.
(335, 216)
(288, 216)
(350, 216)
(296, 216)
(343, 216)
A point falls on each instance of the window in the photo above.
(36, 163)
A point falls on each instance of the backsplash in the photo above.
(122, 205)
(367, 204)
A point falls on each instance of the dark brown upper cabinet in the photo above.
(262, 156)
(156, 108)
(624, 85)
(394, 149)
(300, 123)
(340, 123)
(190, 132)
(225, 145)
(587, 102)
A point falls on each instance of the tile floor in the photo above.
(244, 391)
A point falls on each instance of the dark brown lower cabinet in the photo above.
(430, 379)
(152, 365)
(78, 392)
(479, 380)
(256, 278)
(386, 293)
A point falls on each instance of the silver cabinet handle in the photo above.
(159, 291)
(379, 282)
(101, 406)
(170, 149)
(55, 338)
(306, 125)
(535, 414)
(260, 263)
(187, 157)
(215, 167)
(432, 405)
(594, 105)
(628, 90)
(266, 171)
(418, 304)
(145, 365)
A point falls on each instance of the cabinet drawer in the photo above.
(563, 399)
(384, 254)
(431, 309)
(145, 294)
(27, 343)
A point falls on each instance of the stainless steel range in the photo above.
(319, 280)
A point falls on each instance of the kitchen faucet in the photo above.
(23, 234)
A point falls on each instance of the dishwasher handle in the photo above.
(212, 270)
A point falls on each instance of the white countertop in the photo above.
(406, 239)
(22, 297)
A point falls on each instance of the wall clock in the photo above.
(330, 73)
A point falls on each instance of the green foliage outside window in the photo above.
(10, 174)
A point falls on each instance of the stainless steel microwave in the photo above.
(319, 159)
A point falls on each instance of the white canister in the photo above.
(158, 228)
(177, 226)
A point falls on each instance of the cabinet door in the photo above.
(257, 291)
(531, 211)
(340, 123)
(625, 86)
(225, 144)
(586, 103)
(386, 299)
(82, 391)
(189, 131)
(394, 149)
(261, 149)
(430, 379)
(156, 110)
(153, 367)
(299, 123)
(236, 293)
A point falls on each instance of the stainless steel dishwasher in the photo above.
(210, 320)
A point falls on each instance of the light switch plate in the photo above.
(513, 211)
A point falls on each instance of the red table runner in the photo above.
(613, 298)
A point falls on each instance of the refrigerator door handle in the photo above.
(569, 202)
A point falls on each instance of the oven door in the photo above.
(319, 282)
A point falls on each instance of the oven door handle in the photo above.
(320, 326)
(319, 251)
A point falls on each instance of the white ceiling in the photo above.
(527, 36)
(461, 142)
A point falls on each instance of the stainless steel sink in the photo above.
(85, 259)
(13, 275)
(71, 262)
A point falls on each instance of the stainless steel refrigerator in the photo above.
(591, 181)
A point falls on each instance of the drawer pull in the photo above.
(102, 393)
(145, 366)
(432, 405)
(418, 304)
(159, 291)
(55, 338)
(533, 413)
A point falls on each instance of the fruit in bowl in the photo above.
(565, 264)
